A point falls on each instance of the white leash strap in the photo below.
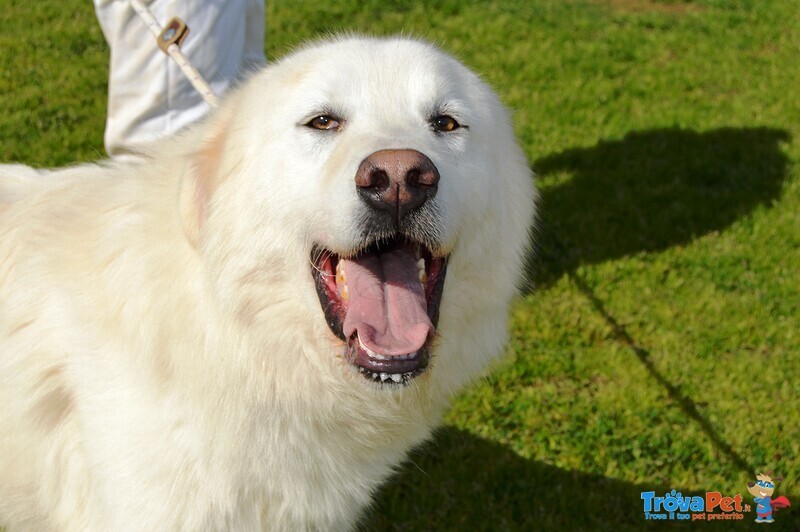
(169, 40)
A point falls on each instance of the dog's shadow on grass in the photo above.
(463, 482)
(649, 191)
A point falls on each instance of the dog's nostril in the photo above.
(423, 176)
(379, 180)
(413, 178)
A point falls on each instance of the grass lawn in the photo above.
(656, 345)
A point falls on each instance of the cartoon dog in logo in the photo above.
(762, 491)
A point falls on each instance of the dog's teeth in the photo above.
(370, 352)
(384, 377)
(341, 281)
(396, 377)
(377, 356)
(364, 347)
(423, 277)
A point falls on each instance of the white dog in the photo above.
(252, 328)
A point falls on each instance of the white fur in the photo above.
(164, 360)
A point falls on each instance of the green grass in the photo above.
(656, 346)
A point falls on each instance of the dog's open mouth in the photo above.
(383, 302)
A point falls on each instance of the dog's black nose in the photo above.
(397, 181)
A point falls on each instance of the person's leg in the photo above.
(254, 38)
(148, 95)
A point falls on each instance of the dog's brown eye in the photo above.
(445, 123)
(324, 122)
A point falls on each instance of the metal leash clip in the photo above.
(169, 40)
(174, 32)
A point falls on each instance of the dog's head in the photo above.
(372, 188)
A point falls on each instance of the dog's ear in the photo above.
(205, 171)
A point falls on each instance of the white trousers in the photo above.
(148, 95)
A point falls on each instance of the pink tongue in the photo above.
(387, 303)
